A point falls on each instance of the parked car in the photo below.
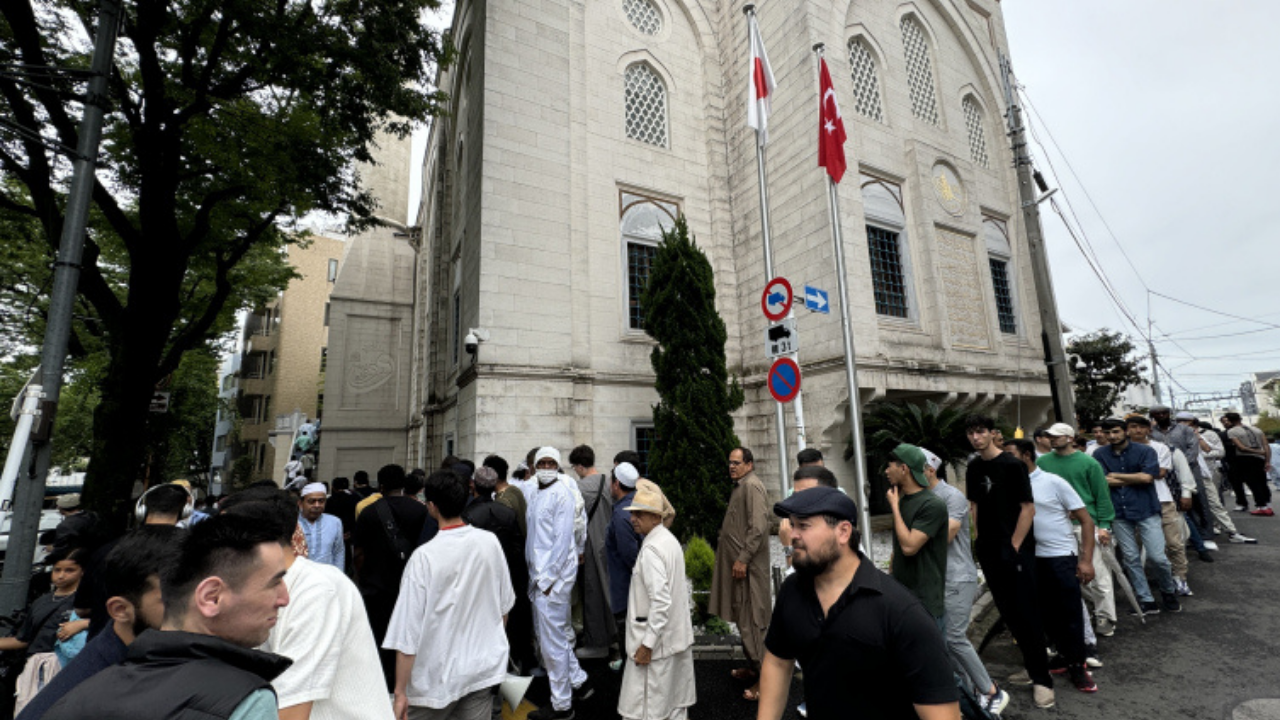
(49, 520)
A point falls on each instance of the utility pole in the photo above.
(29, 496)
(1055, 357)
(1155, 365)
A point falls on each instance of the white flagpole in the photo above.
(850, 361)
(780, 417)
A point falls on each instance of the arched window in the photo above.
(924, 102)
(646, 105)
(977, 134)
(995, 235)
(887, 248)
(643, 221)
(643, 16)
(866, 85)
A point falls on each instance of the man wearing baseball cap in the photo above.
(1086, 477)
(919, 530)
(898, 667)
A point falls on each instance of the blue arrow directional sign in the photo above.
(816, 300)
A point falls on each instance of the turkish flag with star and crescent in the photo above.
(830, 127)
(760, 90)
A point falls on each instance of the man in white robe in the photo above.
(657, 683)
(552, 551)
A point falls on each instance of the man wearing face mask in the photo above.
(552, 553)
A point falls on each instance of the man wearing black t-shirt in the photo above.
(386, 534)
(999, 490)
(868, 648)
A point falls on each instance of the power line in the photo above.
(1168, 337)
(1088, 197)
(1211, 310)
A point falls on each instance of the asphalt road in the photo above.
(1219, 659)
(1221, 651)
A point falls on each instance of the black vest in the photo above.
(172, 675)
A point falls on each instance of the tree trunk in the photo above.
(120, 420)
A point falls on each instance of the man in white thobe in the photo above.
(657, 683)
(552, 552)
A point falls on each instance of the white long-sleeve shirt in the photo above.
(552, 549)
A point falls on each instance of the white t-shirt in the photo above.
(1055, 499)
(1165, 458)
(325, 631)
(449, 616)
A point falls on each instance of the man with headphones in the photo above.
(167, 504)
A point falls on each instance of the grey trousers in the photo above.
(959, 603)
(475, 706)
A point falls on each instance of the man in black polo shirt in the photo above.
(867, 647)
(999, 490)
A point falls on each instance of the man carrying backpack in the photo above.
(385, 536)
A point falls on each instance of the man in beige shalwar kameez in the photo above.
(740, 586)
(657, 682)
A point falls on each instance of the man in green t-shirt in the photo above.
(1089, 480)
(919, 531)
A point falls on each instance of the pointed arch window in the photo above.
(995, 234)
(977, 133)
(646, 105)
(643, 221)
(866, 83)
(924, 100)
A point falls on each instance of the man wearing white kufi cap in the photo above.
(552, 553)
(323, 532)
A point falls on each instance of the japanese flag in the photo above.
(830, 126)
(760, 92)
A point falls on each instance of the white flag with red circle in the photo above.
(762, 85)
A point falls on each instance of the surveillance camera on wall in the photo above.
(474, 337)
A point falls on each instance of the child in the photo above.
(48, 620)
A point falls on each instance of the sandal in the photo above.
(744, 674)
(752, 694)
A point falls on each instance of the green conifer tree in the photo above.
(692, 419)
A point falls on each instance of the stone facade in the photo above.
(574, 122)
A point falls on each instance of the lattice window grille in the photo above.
(639, 264)
(646, 105)
(924, 103)
(888, 275)
(977, 136)
(644, 16)
(1004, 296)
(866, 86)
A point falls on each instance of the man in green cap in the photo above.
(919, 531)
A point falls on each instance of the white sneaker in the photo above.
(1181, 587)
(1238, 538)
(1210, 545)
(996, 702)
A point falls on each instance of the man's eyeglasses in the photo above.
(735, 463)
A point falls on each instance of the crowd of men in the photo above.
(416, 598)
(411, 599)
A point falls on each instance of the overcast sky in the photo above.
(1167, 112)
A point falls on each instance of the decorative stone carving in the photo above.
(966, 303)
(948, 189)
(368, 370)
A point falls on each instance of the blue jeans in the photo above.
(1197, 540)
(1147, 530)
